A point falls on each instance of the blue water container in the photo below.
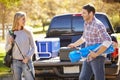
(75, 56)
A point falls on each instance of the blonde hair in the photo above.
(17, 16)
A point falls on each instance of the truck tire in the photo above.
(37, 78)
(118, 76)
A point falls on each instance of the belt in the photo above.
(20, 60)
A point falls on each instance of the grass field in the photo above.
(3, 68)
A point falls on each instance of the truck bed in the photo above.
(55, 68)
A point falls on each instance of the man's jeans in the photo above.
(96, 67)
(20, 68)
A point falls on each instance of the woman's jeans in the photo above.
(20, 68)
(96, 67)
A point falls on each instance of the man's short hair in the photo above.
(89, 8)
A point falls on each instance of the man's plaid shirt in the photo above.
(95, 32)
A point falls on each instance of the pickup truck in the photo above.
(69, 28)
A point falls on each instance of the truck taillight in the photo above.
(77, 14)
(115, 53)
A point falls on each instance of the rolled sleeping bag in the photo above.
(76, 55)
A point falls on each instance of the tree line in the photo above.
(40, 12)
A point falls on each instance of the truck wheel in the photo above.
(118, 76)
(37, 78)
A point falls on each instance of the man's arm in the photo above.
(101, 50)
(77, 43)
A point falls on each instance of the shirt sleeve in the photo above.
(32, 45)
(103, 33)
(107, 43)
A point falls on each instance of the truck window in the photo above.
(78, 24)
(61, 22)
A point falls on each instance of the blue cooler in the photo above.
(48, 47)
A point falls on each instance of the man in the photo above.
(94, 32)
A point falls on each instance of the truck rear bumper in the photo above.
(55, 68)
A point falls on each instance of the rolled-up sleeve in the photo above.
(103, 33)
(107, 41)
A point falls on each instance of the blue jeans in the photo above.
(20, 68)
(95, 67)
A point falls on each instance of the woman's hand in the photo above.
(10, 39)
(25, 60)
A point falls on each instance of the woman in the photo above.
(23, 45)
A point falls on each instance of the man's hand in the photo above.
(71, 45)
(115, 44)
(92, 55)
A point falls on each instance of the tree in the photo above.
(6, 7)
(47, 11)
(111, 1)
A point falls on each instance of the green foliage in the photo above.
(36, 26)
(116, 21)
(6, 7)
(3, 68)
(9, 3)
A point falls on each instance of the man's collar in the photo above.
(90, 21)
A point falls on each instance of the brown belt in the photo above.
(20, 60)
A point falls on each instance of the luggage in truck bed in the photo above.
(64, 53)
